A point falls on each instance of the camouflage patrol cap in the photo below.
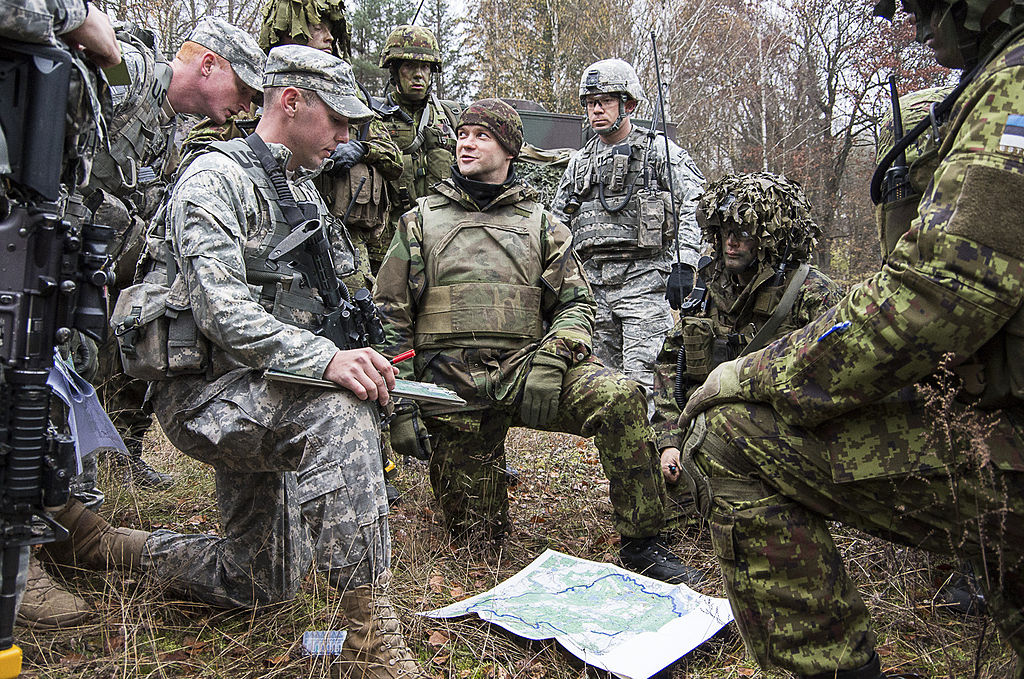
(914, 107)
(234, 45)
(411, 43)
(498, 117)
(768, 206)
(311, 69)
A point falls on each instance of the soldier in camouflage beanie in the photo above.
(499, 118)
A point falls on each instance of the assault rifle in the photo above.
(52, 279)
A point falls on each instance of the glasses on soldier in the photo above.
(605, 102)
(732, 231)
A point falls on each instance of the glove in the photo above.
(542, 389)
(680, 284)
(722, 386)
(408, 435)
(346, 155)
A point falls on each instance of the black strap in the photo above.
(278, 182)
(768, 330)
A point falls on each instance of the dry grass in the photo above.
(141, 632)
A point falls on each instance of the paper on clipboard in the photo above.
(418, 391)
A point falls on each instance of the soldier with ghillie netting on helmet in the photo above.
(615, 198)
(420, 123)
(757, 285)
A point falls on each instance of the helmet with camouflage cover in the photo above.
(769, 207)
(411, 43)
(498, 117)
(610, 76)
(289, 21)
(914, 107)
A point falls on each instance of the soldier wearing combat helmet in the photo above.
(758, 285)
(615, 197)
(481, 280)
(420, 124)
(834, 422)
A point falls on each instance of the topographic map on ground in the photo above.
(608, 617)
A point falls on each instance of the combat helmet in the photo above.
(411, 43)
(288, 21)
(768, 206)
(612, 76)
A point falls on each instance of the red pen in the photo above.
(405, 355)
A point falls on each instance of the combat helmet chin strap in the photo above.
(623, 98)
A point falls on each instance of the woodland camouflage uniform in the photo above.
(835, 422)
(485, 294)
(774, 210)
(424, 130)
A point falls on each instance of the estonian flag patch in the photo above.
(1013, 134)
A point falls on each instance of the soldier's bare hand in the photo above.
(364, 372)
(670, 464)
(96, 38)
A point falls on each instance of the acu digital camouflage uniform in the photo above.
(834, 421)
(720, 326)
(332, 511)
(423, 130)
(483, 294)
(628, 266)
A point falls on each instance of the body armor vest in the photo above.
(483, 273)
(428, 150)
(630, 221)
(140, 134)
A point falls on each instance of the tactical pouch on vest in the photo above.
(654, 227)
(370, 210)
(156, 333)
(894, 220)
(699, 346)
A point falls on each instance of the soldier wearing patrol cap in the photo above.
(838, 421)
(481, 280)
(217, 72)
(332, 510)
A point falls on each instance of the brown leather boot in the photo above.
(374, 647)
(46, 605)
(94, 543)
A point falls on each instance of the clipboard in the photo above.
(417, 391)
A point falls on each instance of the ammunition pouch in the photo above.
(703, 349)
(156, 334)
(372, 206)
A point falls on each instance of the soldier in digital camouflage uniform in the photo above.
(217, 73)
(85, 32)
(481, 280)
(627, 256)
(833, 422)
(752, 296)
(419, 123)
(223, 218)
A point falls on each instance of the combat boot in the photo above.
(93, 542)
(872, 669)
(139, 472)
(45, 605)
(375, 647)
(650, 557)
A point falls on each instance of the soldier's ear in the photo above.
(631, 105)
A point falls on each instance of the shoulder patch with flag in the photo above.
(1013, 134)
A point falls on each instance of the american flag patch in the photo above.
(1013, 133)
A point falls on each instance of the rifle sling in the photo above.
(768, 330)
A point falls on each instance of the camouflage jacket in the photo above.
(953, 285)
(215, 218)
(736, 314)
(484, 375)
(40, 21)
(581, 179)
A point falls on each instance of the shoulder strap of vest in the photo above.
(279, 183)
(768, 330)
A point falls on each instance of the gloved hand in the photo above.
(722, 386)
(680, 284)
(408, 435)
(347, 154)
(542, 389)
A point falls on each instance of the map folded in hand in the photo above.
(417, 391)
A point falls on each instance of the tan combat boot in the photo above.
(374, 647)
(94, 543)
(45, 605)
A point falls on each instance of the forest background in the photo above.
(796, 87)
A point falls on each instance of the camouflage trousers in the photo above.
(632, 321)
(122, 397)
(467, 467)
(770, 489)
(298, 483)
